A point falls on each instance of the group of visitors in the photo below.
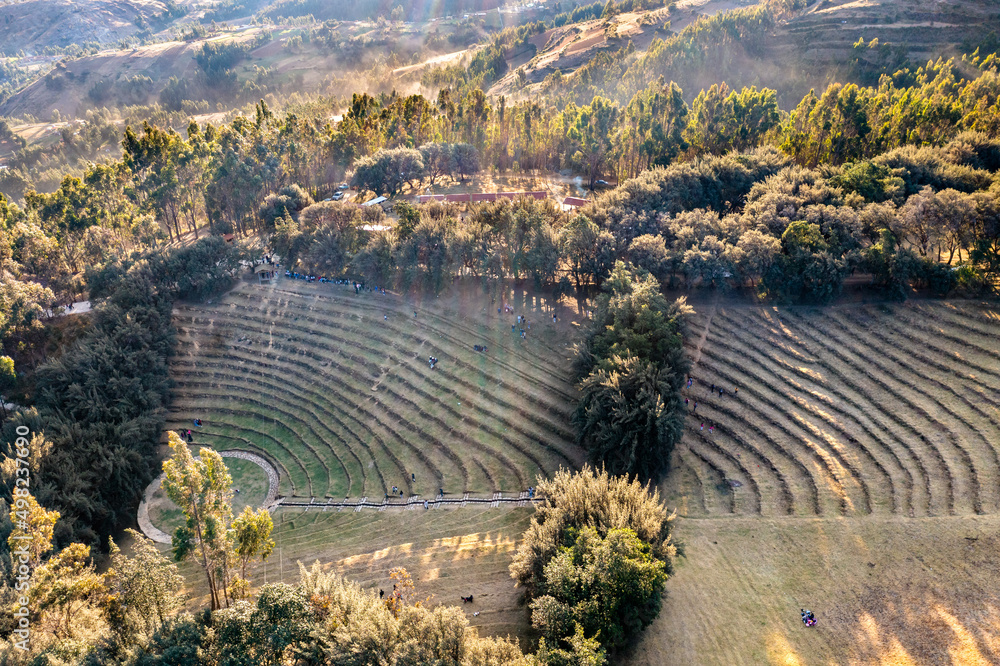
(712, 389)
(722, 391)
(521, 325)
(481, 348)
(303, 276)
(432, 361)
(694, 403)
(358, 286)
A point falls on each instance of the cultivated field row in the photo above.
(843, 411)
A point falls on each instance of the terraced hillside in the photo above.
(336, 390)
(826, 30)
(843, 411)
(847, 475)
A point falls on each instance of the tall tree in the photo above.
(202, 488)
(592, 132)
(252, 537)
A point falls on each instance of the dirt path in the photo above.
(704, 336)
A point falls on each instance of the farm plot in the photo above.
(335, 389)
(843, 411)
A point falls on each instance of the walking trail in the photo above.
(704, 337)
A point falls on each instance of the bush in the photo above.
(594, 561)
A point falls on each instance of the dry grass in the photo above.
(886, 590)
(449, 552)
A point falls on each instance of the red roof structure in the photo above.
(575, 202)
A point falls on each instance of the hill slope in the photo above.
(798, 50)
(36, 24)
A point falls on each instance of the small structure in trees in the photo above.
(265, 274)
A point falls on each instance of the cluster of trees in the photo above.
(224, 175)
(388, 170)
(904, 218)
(75, 614)
(24, 303)
(632, 367)
(430, 243)
(752, 220)
(593, 562)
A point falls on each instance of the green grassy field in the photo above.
(843, 411)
